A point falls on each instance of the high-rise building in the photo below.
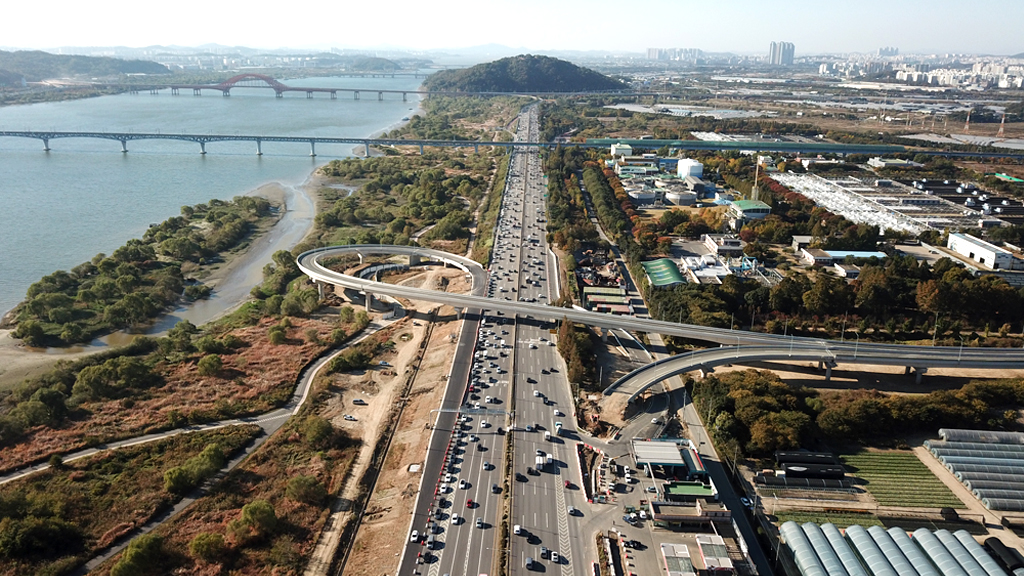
(888, 51)
(781, 54)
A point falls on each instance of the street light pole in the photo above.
(961, 354)
(856, 345)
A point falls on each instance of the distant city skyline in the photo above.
(740, 26)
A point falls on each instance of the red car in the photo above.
(469, 503)
(568, 484)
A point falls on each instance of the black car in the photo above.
(532, 472)
(520, 477)
(531, 381)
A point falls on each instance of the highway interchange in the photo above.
(506, 354)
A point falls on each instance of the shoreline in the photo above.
(299, 204)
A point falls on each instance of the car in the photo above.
(444, 489)
(572, 510)
(485, 423)
(568, 484)
(415, 536)
(479, 522)
(532, 472)
(540, 452)
(455, 519)
(746, 502)
(554, 557)
(473, 438)
(529, 427)
(652, 489)
(480, 448)
(536, 393)
(359, 402)
(469, 503)
(448, 478)
(544, 371)
(495, 488)
(543, 551)
(487, 465)
(528, 562)
(655, 421)
(517, 529)
(557, 413)
(350, 417)
(628, 519)
(463, 484)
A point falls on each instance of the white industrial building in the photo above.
(689, 167)
(622, 150)
(980, 251)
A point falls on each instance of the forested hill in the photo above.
(523, 73)
(36, 65)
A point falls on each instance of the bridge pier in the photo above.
(197, 91)
(404, 99)
(828, 371)
(366, 148)
(278, 94)
(309, 94)
(355, 94)
(202, 147)
(919, 374)
(414, 259)
(421, 149)
(225, 93)
(174, 91)
(319, 289)
(312, 148)
(124, 146)
(334, 95)
(154, 91)
(380, 96)
(259, 147)
(46, 144)
(369, 302)
(705, 372)
(604, 334)
(476, 148)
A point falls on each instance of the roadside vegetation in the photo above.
(754, 413)
(264, 517)
(53, 521)
(140, 279)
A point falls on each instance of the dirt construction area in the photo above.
(381, 535)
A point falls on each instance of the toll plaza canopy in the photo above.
(655, 453)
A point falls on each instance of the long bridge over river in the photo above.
(755, 145)
(279, 88)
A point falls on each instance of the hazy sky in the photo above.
(978, 26)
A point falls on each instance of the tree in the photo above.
(141, 556)
(31, 332)
(346, 315)
(260, 516)
(210, 365)
(207, 547)
(306, 489)
(177, 480)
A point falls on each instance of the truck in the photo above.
(540, 462)
(547, 435)
(558, 428)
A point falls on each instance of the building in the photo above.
(980, 251)
(879, 162)
(689, 167)
(801, 242)
(662, 273)
(848, 271)
(680, 198)
(819, 257)
(815, 257)
(781, 54)
(724, 244)
(747, 210)
(621, 150)
(706, 269)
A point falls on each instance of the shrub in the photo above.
(141, 557)
(210, 365)
(260, 516)
(317, 431)
(207, 547)
(306, 489)
(276, 335)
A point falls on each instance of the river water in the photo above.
(59, 209)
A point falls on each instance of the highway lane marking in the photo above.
(564, 544)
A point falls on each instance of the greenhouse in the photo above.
(989, 463)
(825, 551)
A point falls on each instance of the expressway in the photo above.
(918, 357)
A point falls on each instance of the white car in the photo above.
(463, 484)
(415, 536)
(557, 413)
(455, 519)
(444, 488)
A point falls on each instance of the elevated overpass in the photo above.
(739, 346)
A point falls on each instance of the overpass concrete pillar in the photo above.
(906, 370)
(360, 257)
(202, 147)
(421, 149)
(414, 259)
(366, 148)
(705, 372)
(46, 145)
(369, 302)
(476, 148)
(259, 147)
(319, 289)
(124, 146)
(918, 374)
(604, 334)
(312, 148)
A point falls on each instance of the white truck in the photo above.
(540, 462)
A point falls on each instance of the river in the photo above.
(59, 209)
